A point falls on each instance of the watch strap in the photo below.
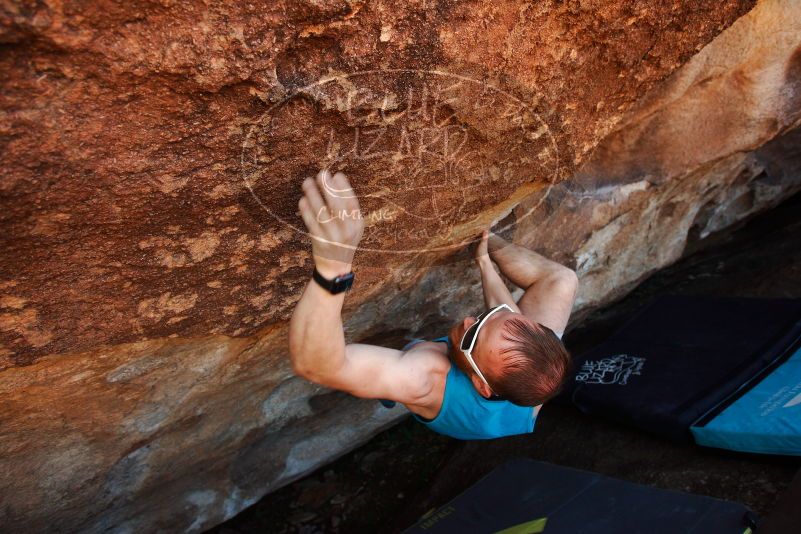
(337, 285)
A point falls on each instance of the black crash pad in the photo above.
(682, 359)
(541, 497)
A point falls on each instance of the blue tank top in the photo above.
(465, 414)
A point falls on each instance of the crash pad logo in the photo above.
(613, 370)
(795, 401)
(788, 396)
(427, 152)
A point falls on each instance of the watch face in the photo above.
(343, 283)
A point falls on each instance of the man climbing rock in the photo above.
(487, 378)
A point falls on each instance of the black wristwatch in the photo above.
(337, 285)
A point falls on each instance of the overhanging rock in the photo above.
(150, 262)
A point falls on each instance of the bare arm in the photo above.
(319, 354)
(495, 290)
(549, 287)
(316, 339)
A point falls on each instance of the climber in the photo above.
(487, 378)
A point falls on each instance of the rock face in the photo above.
(152, 256)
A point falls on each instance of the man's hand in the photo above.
(331, 212)
(482, 252)
(495, 290)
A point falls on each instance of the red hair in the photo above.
(536, 364)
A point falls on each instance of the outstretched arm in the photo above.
(316, 339)
(549, 287)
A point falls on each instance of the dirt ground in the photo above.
(387, 484)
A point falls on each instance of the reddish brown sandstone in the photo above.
(144, 291)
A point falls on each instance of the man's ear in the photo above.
(468, 321)
(479, 384)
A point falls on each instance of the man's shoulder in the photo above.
(431, 356)
(434, 358)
